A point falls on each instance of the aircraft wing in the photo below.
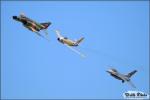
(74, 50)
(131, 84)
(22, 15)
(58, 33)
(41, 36)
(46, 33)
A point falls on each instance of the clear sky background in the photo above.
(116, 36)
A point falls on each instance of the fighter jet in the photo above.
(69, 43)
(32, 25)
(119, 76)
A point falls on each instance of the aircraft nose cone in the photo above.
(14, 17)
(107, 71)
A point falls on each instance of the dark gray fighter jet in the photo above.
(119, 76)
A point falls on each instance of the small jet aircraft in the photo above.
(32, 25)
(119, 76)
(69, 43)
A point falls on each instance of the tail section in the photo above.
(131, 73)
(45, 25)
(79, 41)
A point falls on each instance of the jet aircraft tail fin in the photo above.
(131, 73)
(46, 25)
(80, 40)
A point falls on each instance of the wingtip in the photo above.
(56, 30)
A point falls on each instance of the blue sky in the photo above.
(116, 35)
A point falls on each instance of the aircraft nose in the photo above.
(107, 71)
(14, 17)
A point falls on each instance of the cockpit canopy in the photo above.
(114, 70)
(65, 38)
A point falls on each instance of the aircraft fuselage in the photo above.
(67, 42)
(28, 23)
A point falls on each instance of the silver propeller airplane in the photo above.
(69, 43)
(119, 76)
